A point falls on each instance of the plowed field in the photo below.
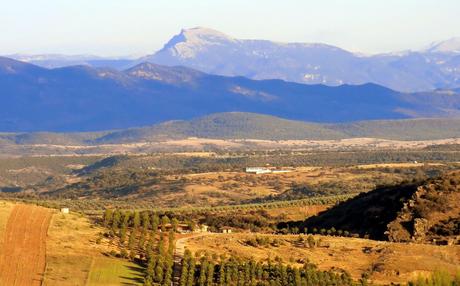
(23, 253)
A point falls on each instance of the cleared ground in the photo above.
(22, 258)
(385, 262)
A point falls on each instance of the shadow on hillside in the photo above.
(136, 277)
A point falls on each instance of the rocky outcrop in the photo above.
(431, 214)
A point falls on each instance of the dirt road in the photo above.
(23, 253)
(179, 251)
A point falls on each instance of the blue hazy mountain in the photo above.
(210, 51)
(60, 60)
(437, 66)
(83, 98)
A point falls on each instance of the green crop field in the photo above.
(106, 271)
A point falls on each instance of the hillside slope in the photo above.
(241, 125)
(232, 125)
(420, 212)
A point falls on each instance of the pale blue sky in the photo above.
(126, 27)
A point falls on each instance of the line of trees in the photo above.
(160, 265)
(213, 271)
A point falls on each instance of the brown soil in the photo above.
(23, 253)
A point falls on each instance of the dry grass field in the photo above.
(39, 246)
(297, 213)
(23, 254)
(214, 188)
(5, 210)
(385, 262)
(75, 255)
(194, 144)
(110, 272)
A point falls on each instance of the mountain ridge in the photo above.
(312, 63)
(83, 98)
(214, 52)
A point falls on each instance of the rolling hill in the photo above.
(240, 125)
(82, 98)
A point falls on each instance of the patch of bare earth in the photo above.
(23, 253)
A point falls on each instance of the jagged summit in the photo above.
(203, 33)
(189, 41)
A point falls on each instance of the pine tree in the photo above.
(191, 272)
(174, 223)
(159, 269)
(222, 273)
(203, 268)
(185, 268)
(297, 277)
(171, 244)
(107, 218)
(132, 240)
(116, 219)
(145, 220)
(155, 221)
(210, 274)
(136, 220)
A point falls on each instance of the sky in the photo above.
(138, 27)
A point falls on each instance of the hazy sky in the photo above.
(135, 27)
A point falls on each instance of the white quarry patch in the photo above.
(147, 75)
(252, 93)
(310, 76)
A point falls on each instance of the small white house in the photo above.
(65, 210)
(203, 228)
(226, 230)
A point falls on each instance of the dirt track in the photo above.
(179, 254)
(23, 254)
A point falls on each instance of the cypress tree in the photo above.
(203, 268)
(107, 217)
(191, 272)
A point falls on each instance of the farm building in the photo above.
(203, 228)
(258, 170)
(267, 170)
(226, 230)
(65, 210)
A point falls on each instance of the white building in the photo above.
(258, 170)
(65, 210)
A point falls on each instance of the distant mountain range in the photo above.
(239, 125)
(213, 52)
(59, 61)
(83, 98)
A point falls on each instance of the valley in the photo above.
(315, 144)
(129, 211)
